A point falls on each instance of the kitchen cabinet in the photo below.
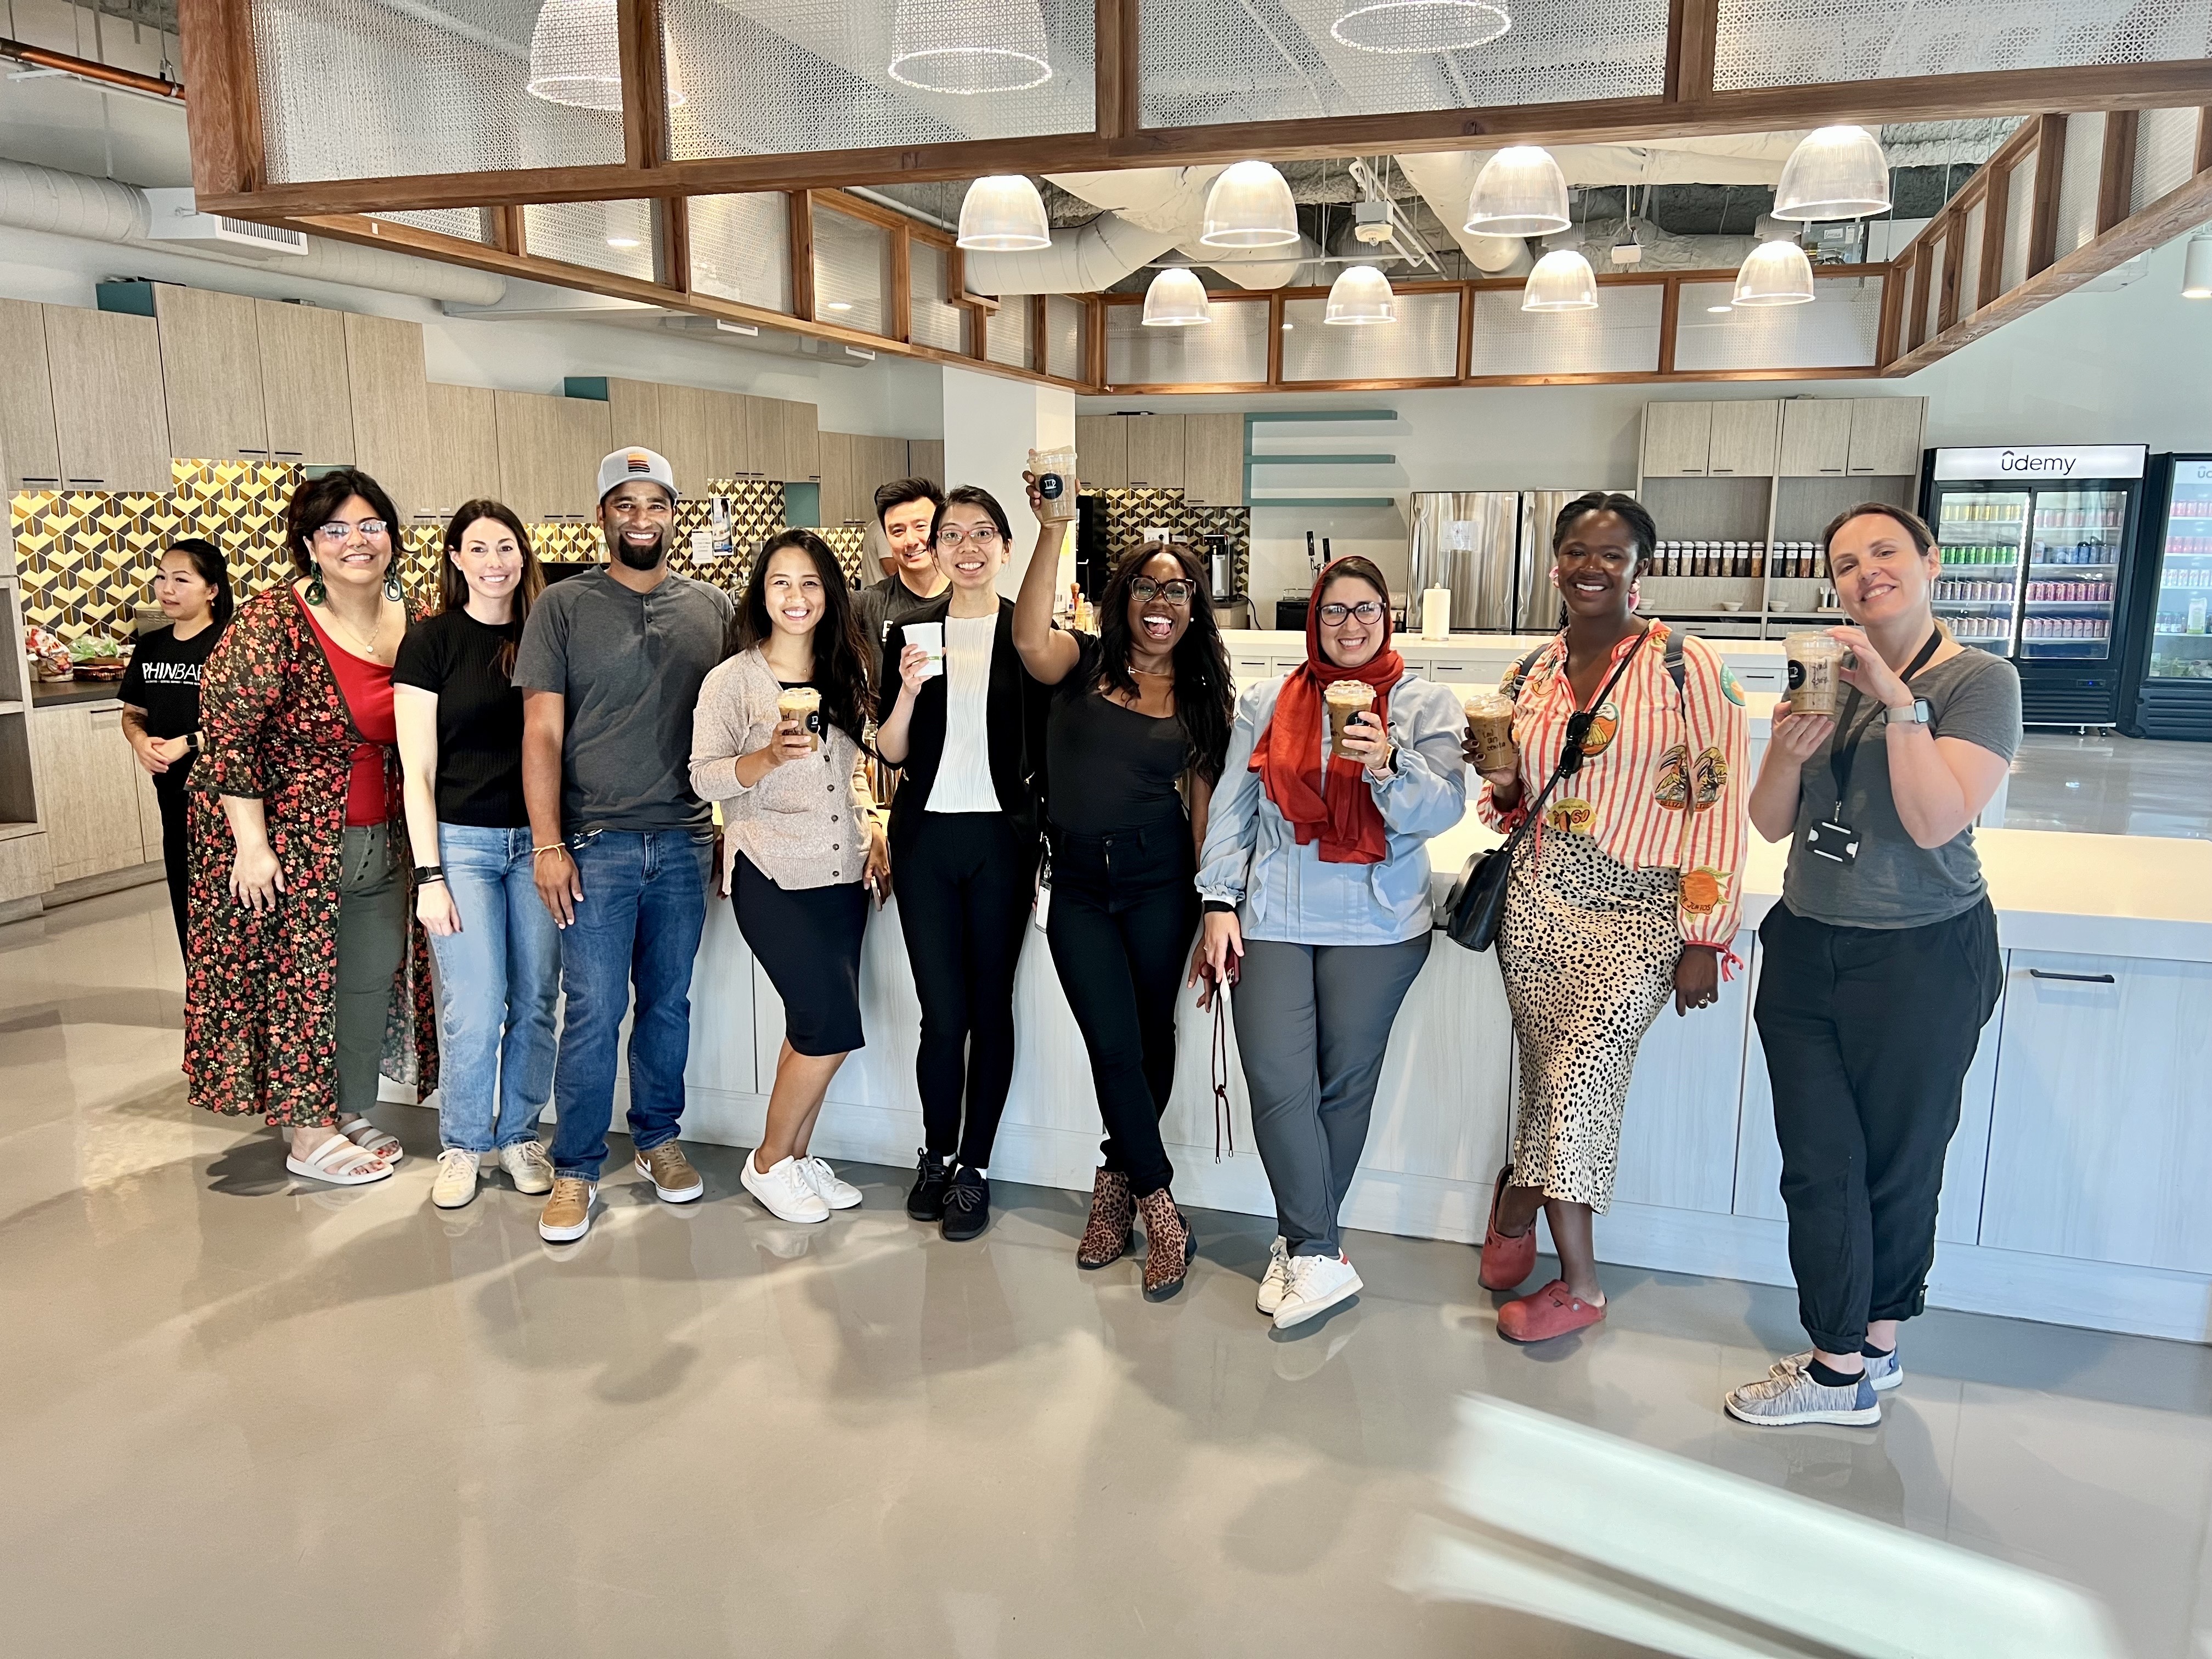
(1678, 1141)
(549, 451)
(731, 436)
(841, 483)
(30, 459)
(1101, 450)
(791, 450)
(305, 384)
(464, 460)
(392, 438)
(680, 419)
(925, 458)
(1816, 437)
(211, 373)
(25, 871)
(111, 424)
(1678, 439)
(1155, 452)
(2125, 1182)
(1886, 436)
(87, 794)
(1214, 460)
(1743, 439)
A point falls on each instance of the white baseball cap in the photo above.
(624, 464)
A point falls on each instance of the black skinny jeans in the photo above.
(964, 881)
(176, 810)
(1123, 911)
(1869, 1035)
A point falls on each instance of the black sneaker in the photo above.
(925, 1201)
(967, 1205)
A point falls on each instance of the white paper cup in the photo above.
(930, 636)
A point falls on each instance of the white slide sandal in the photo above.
(340, 1163)
(377, 1143)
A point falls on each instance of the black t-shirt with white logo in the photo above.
(164, 679)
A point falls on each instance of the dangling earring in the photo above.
(391, 588)
(317, 594)
(1635, 595)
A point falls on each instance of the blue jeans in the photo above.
(644, 907)
(499, 981)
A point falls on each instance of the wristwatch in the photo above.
(1916, 712)
(191, 743)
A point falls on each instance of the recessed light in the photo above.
(624, 241)
(838, 305)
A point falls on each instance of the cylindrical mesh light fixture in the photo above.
(1003, 214)
(1249, 206)
(1775, 274)
(1837, 173)
(575, 54)
(1176, 299)
(1562, 281)
(1519, 192)
(1406, 26)
(968, 46)
(1360, 293)
(2196, 267)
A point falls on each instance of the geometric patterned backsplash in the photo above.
(85, 559)
(1130, 512)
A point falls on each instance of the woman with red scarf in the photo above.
(1316, 884)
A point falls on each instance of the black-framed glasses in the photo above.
(1368, 610)
(1174, 592)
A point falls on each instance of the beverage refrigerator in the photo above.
(2038, 547)
(2171, 678)
(1491, 549)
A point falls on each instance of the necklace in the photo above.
(368, 646)
(1154, 673)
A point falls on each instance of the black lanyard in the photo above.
(1844, 746)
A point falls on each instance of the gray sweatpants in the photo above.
(1312, 1022)
(372, 936)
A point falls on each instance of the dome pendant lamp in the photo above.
(1360, 295)
(1775, 274)
(968, 46)
(1249, 206)
(1176, 299)
(1004, 215)
(1403, 27)
(1837, 173)
(575, 55)
(1562, 281)
(1519, 192)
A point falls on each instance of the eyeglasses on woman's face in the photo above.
(338, 530)
(1174, 592)
(984, 535)
(1368, 610)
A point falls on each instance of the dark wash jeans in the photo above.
(644, 907)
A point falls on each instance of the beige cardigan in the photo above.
(804, 825)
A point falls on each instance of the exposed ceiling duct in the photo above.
(1082, 260)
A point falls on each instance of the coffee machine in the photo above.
(1221, 568)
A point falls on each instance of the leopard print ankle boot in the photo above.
(1170, 1244)
(1106, 1239)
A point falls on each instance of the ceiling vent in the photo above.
(175, 217)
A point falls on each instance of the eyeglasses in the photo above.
(1578, 731)
(1367, 610)
(984, 536)
(337, 530)
(1147, 590)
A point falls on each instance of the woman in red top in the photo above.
(301, 983)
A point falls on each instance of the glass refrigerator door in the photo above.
(2180, 644)
(2073, 571)
(1981, 531)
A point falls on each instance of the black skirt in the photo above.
(808, 938)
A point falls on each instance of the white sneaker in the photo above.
(783, 1191)
(1317, 1283)
(528, 1166)
(456, 1181)
(1276, 1280)
(837, 1194)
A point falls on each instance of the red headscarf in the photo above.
(1338, 808)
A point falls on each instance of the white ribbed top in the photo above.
(964, 773)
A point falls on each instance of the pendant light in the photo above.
(1360, 295)
(1249, 206)
(1519, 192)
(1406, 26)
(1176, 299)
(1775, 274)
(968, 46)
(1837, 173)
(1003, 214)
(2196, 267)
(1562, 281)
(575, 54)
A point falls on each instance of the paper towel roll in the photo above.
(1435, 613)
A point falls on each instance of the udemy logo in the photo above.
(2014, 460)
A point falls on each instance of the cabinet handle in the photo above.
(1832, 469)
(1861, 469)
(1719, 469)
(2076, 979)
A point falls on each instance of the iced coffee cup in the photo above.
(803, 703)
(1816, 679)
(930, 636)
(1054, 471)
(1344, 699)
(1490, 725)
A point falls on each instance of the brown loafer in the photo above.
(1106, 1237)
(1507, 1259)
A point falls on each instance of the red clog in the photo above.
(1506, 1261)
(1552, 1311)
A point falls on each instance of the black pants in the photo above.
(1869, 1034)
(176, 809)
(965, 880)
(1123, 911)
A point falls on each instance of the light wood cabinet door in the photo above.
(305, 384)
(686, 425)
(637, 411)
(925, 458)
(1102, 450)
(150, 810)
(549, 451)
(1886, 436)
(1816, 437)
(1155, 452)
(763, 443)
(802, 445)
(730, 435)
(111, 424)
(30, 456)
(392, 435)
(840, 485)
(1678, 439)
(464, 450)
(1678, 1140)
(211, 373)
(86, 795)
(1743, 439)
(1214, 460)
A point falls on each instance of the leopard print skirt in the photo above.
(1587, 948)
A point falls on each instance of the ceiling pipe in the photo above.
(1085, 260)
(1444, 181)
(87, 69)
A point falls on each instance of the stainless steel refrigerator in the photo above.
(1491, 548)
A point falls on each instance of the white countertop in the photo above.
(1410, 640)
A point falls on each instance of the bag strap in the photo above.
(1536, 806)
(1217, 1055)
(1677, 671)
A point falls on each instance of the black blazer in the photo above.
(1013, 720)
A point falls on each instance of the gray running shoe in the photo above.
(1789, 1395)
(1885, 1373)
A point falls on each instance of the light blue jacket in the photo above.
(1284, 891)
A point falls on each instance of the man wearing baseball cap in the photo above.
(609, 668)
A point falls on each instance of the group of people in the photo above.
(537, 786)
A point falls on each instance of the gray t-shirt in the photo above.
(630, 666)
(1893, 883)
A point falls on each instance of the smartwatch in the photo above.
(1916, 712)
(191, 743)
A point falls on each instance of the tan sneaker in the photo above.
(568, 1214)
(670, 1173)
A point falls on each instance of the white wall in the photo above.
(991, 424)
